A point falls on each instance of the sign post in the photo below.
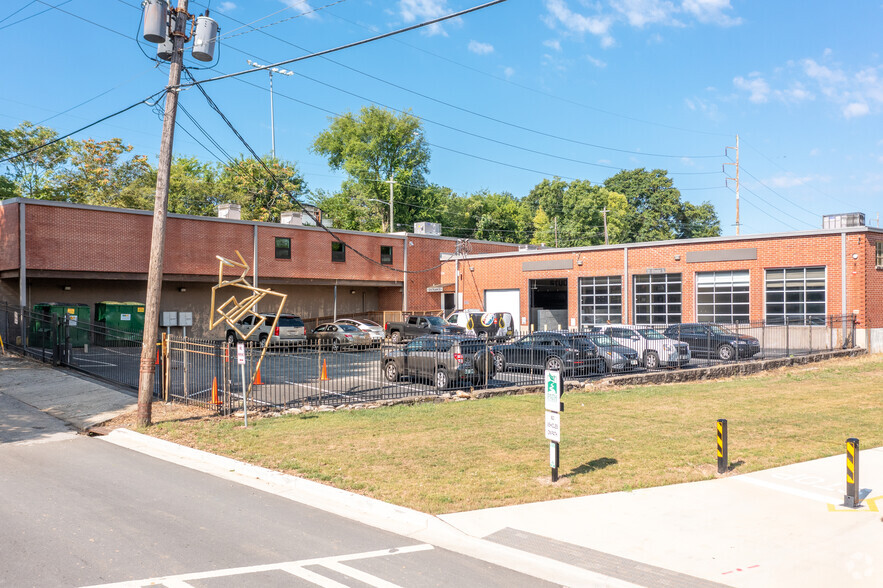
(240, 359)
(553, 386)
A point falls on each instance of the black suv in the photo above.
(550, 350)
(714, 341)
(442, 359)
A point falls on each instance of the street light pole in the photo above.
(391, 182)
(271, 70)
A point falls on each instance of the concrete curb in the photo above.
(369, 511)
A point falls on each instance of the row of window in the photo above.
(338, 251)
(793, 296)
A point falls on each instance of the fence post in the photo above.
(787, 339)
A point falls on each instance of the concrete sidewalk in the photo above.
(78, 401)
(779, 527)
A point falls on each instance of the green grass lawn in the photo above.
(457, 456)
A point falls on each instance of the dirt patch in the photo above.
(162, 412)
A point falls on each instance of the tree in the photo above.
(373, 147)
(32, 175)
(575, 213)
(98, 174)
(656, 212)
(263, 196)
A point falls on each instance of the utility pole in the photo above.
(736, 179)
(160, 211)
(556, 231)
(604, 212)
(391, 182)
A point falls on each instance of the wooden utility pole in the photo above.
(160, 211)
(556, 231)
(604, 212)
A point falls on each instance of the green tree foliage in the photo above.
(572, 214)
(656, 212)
(32, 175)
(99, 174)
(373, 147)
(262, 196)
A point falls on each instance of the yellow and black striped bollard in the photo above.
(722, 461)
(852, 498)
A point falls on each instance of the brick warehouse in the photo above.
(87, 254)
(797, 278)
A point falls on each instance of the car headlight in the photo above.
(669, 348)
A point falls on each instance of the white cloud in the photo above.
(508, 72)
(642, 12)
(560, 14)
(303, 7)
(711, 12)
(814, 152)
(553, 44)
(226, 6)
(855, 109)
(480, 48)
(596, 62)
(790, 181)
(420, 10)
(755, 85)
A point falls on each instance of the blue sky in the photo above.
(515, 93)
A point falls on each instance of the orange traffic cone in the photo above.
(158, 352)
(215, 391)
(257, 378)
(324, 370)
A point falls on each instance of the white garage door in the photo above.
(505, 301)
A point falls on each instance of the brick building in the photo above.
(798, 278)
(87, 254)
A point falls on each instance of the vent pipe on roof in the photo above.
(231, 211)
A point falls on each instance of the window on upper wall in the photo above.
(386, 254)
(600, 300)
(338, 251)
(722, 297)
(880, 255)
(796, 296)
(657, 299)
(283, 248)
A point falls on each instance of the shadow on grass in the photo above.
(591, 466)
(735, 464)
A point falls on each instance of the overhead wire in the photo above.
(5, 18)
(32, 15)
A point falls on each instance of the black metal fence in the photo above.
(292, 375)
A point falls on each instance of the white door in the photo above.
(505, 301)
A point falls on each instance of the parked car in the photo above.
(714, 341)
(416, 326)
(374, 330)
(289, 328)
(337, 336)
(442, 359)
(494, 326)
(549, 350)
(617, 358)
(654, 348)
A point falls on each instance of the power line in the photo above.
(51, 7)
(32, 15)
(17, 11)
(302, 14)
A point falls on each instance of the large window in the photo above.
(722, 297)
(386, 254)
(283, 248)
(657, 299)
(600, 300)
(880, 254)
(795, 296)
(338, 251)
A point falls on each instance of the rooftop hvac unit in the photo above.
(530, 247)
(204, 38)
(841, 221)
(291, 217)
(231, 211)
(425, 228)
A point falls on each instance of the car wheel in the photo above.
(231, 339)
(263, 340)
(391, 371)
(441, 379)
(604, 367)
(499, 362)
(553, 363)
(396, 337)
(335, 345)
(651, 360)
(726, 352)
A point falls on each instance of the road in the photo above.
(77, 511)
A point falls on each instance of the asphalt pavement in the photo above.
(781, 527)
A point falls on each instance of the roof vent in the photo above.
(425, 228)
(231, 211)
(841, 221)
(291, 217)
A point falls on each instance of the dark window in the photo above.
(657, 299)
(600, 300)
(338, 251)
(722, 297)
(796, 296)
(386, 254)
(283, 248)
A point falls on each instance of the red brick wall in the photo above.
(873, 303)
(9, 244)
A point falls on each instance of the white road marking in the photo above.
(293, 567)
(787, 489)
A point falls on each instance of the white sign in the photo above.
(553, 390)
(240, 353)
(553, 426)
(553, 455)
(125, 317)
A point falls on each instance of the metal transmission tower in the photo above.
(736, 179)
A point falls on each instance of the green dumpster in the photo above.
(119, 322)
(79, 317)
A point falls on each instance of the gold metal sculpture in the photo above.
(234, 309)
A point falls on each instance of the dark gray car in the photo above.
(714, 341)
(442, 359)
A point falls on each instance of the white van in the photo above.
(494, 326)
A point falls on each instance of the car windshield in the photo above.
(601, 339)
(580, 341)
(651, 334)
(436, 321)
(368, 323)
(719, 330)
(348, 328)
